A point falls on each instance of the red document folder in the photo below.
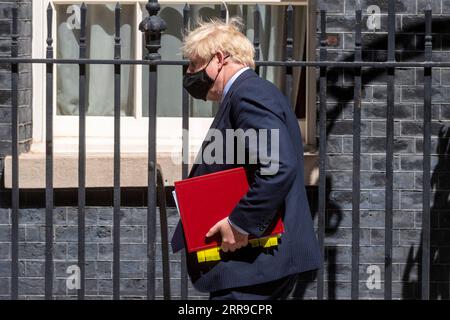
(205, 200)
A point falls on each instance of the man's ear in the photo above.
(221, 57)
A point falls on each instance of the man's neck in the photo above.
(233, 68)
(230, 81)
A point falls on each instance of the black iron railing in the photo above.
(152, 28)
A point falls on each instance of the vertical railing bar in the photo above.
(49, 162)
(151, 191)
(223, 12)
(164, 233)
(117, 117)
(185, 154)
(322, 149)
(425, 294)
(152, 27)
(82, 156)
(356, 158)
(389, 153)
(256, 35)
(289, 49)
(223, 16)
(15, 157)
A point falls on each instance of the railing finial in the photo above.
(152, 26)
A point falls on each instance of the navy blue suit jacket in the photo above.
(254, 103)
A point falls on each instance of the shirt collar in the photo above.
(231, 81)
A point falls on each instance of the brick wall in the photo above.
(408, 150)
(99, 251)
(25, 85)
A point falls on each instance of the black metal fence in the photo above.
(152, 27)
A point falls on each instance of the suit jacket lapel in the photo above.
(214, 124)
(220, 113)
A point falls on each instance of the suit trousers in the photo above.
(274, 290)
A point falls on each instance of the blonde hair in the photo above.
(211, 36)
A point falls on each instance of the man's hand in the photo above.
(231, 238)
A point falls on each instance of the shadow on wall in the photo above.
(440, 232)
(333, 220)
(406, 50)
(376, 50)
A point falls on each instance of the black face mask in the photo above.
(197, 84)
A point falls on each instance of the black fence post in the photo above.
(256, 35)
(389, 153)
(356, 157)
(15, 156)
(289, 50)
(426, 159)
(322, 148)
(223, 12)
(82, 157)
(152, 26)
(49, 203)
(164, 234)
(185, 153)
(117, 163)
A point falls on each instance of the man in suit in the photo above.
(221, 69)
